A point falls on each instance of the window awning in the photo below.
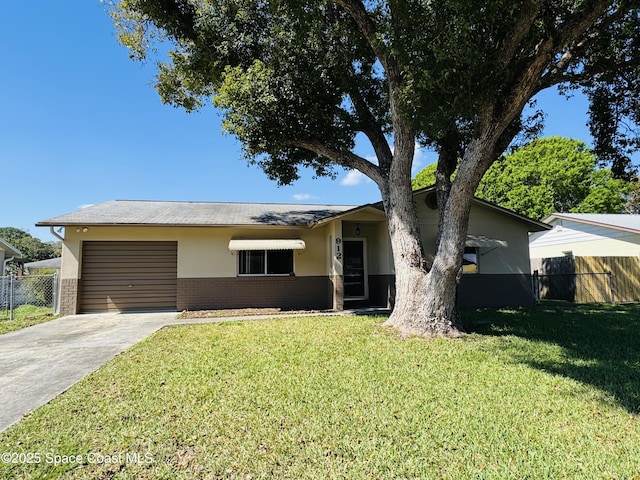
(268, 244)
(486, 242)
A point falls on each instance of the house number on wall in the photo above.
(338, 251)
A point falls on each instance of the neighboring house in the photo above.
(49, 264)
(587, 235)
(149, 255)
(7, 253)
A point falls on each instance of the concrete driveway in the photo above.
(40, 362)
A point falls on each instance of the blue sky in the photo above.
(81, 124)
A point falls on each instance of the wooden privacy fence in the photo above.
(587, 279)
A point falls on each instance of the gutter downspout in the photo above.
(55, 234)
(4, 270)
(5, 263)
(56, 278)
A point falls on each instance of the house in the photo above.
(588, 258)
(154, 255)
(7, 253)
(48, 264)
(587, 235)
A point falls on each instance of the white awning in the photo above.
(486, 242)
(269, 244)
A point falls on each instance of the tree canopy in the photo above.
(297, 81)
(32, 249)
(548, 175)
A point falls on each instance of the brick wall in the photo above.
(336, 300)
(289, 293)
(69, 296)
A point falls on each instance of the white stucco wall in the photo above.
(513, 259)
(202, 252)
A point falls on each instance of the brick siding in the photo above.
(288, 293)
(69, 296)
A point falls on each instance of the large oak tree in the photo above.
(298, 80)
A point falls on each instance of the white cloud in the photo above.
(86, 205)
(353, 178)
(419, 157)
(303, 196)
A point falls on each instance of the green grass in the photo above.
(544, 393)
(25, 316)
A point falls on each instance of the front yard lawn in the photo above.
(25, 316)
(551, 392)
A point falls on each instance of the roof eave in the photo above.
(166, 225)
(590, 222)
(13, 251)
(316, 223)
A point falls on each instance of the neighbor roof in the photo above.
(617, 221)
(10, 249)
(49, 263)
(140, 212)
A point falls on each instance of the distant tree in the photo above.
(32, 249)
(548, 175)
(633, 200)
(298, 80)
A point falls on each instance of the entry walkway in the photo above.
(40, 362)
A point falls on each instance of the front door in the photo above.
(355, 270)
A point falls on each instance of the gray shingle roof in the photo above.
(50, 263)
(140, 212)
(615, 220)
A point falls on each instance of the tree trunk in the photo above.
(425, 302)
(425, 299)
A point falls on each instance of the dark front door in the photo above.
(355, 281)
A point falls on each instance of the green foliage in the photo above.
(279, 70)
(541, 393)
(425, 177)
(32, 248)
(298, 80)
(547, 175)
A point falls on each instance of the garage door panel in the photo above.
(128, 283)
(122, 291)
(126, 276)
(121, 276)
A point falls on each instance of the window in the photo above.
(470, 260)
(265, 262)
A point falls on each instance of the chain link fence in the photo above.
(32, 290)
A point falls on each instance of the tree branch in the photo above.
(557, 73)
(373, 130)
(345, 159)
(520, 30)
(531, 78)
(358, 12)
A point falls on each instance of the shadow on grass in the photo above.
(600, 343)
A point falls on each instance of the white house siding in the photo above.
(583, 240)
